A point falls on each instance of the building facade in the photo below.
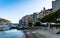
(55, 5)
(44, 12)
(34, 17)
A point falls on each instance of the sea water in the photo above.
(12, 34)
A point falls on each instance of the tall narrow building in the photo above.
(55, 5)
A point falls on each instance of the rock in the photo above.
(58, 32)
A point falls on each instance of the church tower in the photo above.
(44, 10)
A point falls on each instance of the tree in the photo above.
(38, 19)
(2, 21)
(31, 24)
(37, 24)
(52, 17)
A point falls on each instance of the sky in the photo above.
(14, 10)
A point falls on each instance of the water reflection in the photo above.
(12, 34)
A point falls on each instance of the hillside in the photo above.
(4, 21)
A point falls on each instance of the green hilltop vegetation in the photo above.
(52, 17)
(4, 21)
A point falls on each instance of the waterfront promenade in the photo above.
(38, 33)
(32, 33)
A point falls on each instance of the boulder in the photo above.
(58, 32)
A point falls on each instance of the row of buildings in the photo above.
(34, 17)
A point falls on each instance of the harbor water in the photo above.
(12, 34)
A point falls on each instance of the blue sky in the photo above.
(14, 10)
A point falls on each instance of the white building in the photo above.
(55, 5)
